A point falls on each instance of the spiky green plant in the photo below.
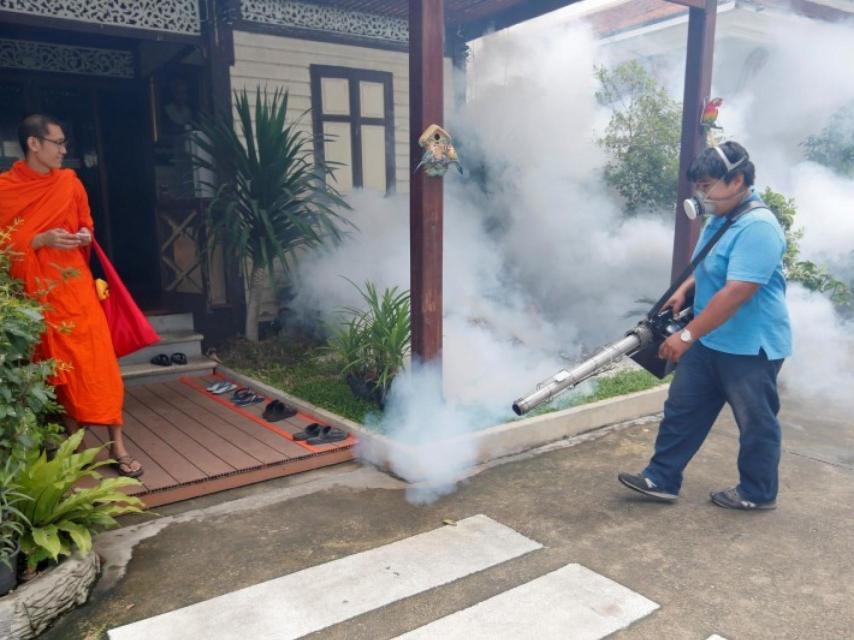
(12, 521)
(374, 341)
(62, 516)
(271, 197)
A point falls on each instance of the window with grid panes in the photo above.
(353, 120)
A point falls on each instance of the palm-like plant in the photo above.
(270, 197)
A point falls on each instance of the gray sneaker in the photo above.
(644, 485)
(731, 499)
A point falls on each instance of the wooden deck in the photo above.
(192, 443)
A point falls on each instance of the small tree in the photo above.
(834, 146)
(270, 198)
(806, 272)
(642, 137)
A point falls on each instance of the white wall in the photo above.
(276, 61)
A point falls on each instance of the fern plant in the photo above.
(61, 516)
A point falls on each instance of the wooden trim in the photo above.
(696, 4)
(160, 497)
(426, 107)
(318, 36)
(354, 76)
(519, 13)
(44, 22)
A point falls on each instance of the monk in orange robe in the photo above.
(47, 208)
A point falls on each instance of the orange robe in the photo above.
(88, 380)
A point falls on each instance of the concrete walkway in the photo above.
(782, 574)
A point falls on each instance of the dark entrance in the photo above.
(111, 153)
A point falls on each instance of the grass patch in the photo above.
(303, 368)
(620, 384)
(300, 367)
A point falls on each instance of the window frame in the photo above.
(353, 76)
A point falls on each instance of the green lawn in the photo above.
(299, 367)
(302, 368)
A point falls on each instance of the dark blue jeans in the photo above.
(703, 381)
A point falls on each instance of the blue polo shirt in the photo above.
(750, 251)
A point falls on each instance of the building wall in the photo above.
(277, 61)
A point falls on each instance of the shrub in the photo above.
(834, 146)
(809, 274)
(26, 398)
(372, 345)
(62, 516)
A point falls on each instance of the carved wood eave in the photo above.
(173, 20)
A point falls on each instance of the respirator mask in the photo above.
(700, 204)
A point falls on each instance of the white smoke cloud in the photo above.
(540, 263)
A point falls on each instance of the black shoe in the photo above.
(731, 499)
(644, 485)
(278, 410)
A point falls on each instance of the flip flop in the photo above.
(127, 461)
(224, 388)
(179, 358)
(245, 401)
(241, 393)
(311, 431)
(328, 435)
(278, 410)
(215, 385)
(161, 360)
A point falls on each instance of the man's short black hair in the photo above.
(710, 165)
(34, 126)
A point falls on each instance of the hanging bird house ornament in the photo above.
(439, 152)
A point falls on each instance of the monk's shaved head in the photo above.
(34, 126)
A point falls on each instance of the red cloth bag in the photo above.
(129, 328)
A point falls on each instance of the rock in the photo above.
(32, 607)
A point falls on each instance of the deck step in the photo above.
(187, 342)
(171, 322)
(146, 373)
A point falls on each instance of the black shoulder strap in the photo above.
(750, 205)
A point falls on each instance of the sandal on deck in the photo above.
(124, 467)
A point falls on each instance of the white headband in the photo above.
(729, 165)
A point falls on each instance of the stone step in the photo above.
(172, 322)
(146, 373)
(187, 342)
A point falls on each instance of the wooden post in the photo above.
(698, 85)
(426, 101)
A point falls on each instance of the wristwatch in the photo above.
(686, 336)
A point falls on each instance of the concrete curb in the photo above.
(489, 444)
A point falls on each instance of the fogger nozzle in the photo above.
(563, 379)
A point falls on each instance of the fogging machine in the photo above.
(642, 342)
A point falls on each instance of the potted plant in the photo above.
(373, 344)
(60, 516)
(12, 526)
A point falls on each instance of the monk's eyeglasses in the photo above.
(59, 143)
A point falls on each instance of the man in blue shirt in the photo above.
(734, 347)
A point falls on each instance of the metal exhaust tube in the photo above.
(564, 379)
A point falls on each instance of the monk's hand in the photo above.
(673, 348)
(56, 238)
(85, 236)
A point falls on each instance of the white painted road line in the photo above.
(716, 637)
(572, 602)
(313, 599)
